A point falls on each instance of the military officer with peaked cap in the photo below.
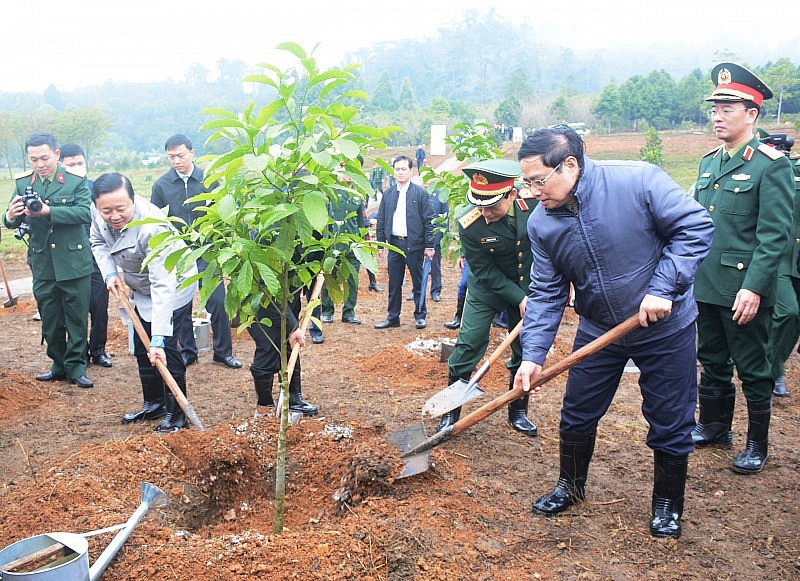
(748, 190)
(495, 243)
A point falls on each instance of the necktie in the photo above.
(46, 183)
(726, 157)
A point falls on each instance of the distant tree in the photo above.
(407, 100)
(608, 106)
(690, 92)
(509, 111)
(383, 99)
(86, 127)
(440, 109)
(518, 85)
(559, 109)
(8, 143)
(781, 77)
(196, 75)
(52, 96)
(652, 152)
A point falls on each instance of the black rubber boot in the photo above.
(265, 404)
(296, 402)
(755, 454)
(716, 416)
(518, 413)
(175, 418)
(669, 483)
(456, 322)
(575, 451)
(153, 393)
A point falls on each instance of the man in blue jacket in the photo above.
(629, 240)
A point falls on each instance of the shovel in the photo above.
(416, 447)
(461, 392)
(12, 300)
(162, 368)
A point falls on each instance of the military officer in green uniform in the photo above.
(348, 216)
(58, 253)
(494, 241)
(746, 186)
(785, 329)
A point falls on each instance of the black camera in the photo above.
(32, 200)
(779, 141)
(22, 230)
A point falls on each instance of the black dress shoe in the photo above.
(436, 297)
(228, 361)
(317, 339)
(351, 320)
(50, 376)
(420, 323)
(374, 287)
(82, 381)
(188, 359)
(326, 318)
(103, 360)
(151, 410)
(387, 323)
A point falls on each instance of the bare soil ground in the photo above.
(68, 464)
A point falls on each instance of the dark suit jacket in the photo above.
(419, 216)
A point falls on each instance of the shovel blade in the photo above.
(408, 439)
(456, 395)
(10, 302)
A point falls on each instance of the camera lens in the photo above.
(35, 205)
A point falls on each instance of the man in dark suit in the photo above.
(171, 192)
(405, 220)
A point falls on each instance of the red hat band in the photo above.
(742, 91)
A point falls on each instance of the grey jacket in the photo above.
(156, 291)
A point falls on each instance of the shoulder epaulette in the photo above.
(714, 151)
(469, 218)
(24, 174)
(770, 152)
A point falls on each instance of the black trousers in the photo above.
(397, 264)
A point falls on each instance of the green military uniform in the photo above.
(348, 216)
(785, 329)
(60, 258)
(499, 257)
(750, 198)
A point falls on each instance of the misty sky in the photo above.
(74, 43)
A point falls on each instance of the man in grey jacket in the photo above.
(157, 296)
(629, 240)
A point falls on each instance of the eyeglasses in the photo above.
(724, 112)
(538, 184)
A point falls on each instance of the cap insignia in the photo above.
(480, 179)
(724, 77)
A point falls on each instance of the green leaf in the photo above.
(348, 148)
(227, 208)
(315, 208)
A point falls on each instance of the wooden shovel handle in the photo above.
(162, 369)
(547, 374)
(305, 321)
(5, 280)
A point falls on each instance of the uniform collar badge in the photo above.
(60, 178)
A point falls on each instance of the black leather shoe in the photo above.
(326, 319)
(151, 410)
(50, 376)
(436, 297)
(351, 320)
(317, 339)
(420, 323)
(171, 423)
(374, 287)
(454, 324)
(103, 360)
(387, 323)
(188, 359)
(82, 381)
(524, 426)
(228, 361)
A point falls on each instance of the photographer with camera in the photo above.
(56, 206)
